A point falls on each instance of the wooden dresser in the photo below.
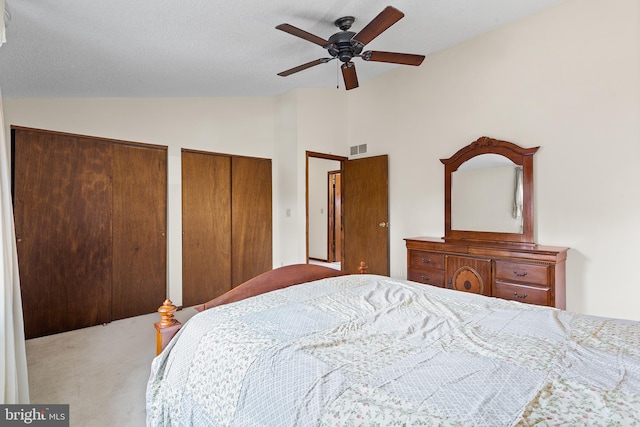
(527, 273)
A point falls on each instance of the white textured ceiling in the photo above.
(193, 48)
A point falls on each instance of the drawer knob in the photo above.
(524, 273)
(425, 278)
(523, 296)
(426, 260)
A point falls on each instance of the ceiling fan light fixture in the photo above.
(349, 75)
(342, 46)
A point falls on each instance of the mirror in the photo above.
(486, 195)
(489, 192)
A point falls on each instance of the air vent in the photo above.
(358, 149)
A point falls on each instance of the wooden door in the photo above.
(206, 226)
(62, 209)
(335, 217)
(139, 229)
(252, 241)
(365, 225)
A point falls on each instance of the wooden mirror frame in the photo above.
(518, 155)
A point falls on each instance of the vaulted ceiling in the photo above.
(205, 48)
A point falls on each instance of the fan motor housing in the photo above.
(342, 46)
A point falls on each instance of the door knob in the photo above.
(384, 224)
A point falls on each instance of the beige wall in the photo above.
(566, 79)
(304, 122)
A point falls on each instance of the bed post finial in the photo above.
(363, 267)
(167, 310)
(167, 327)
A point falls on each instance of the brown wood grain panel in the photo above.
(139, 229)
(62, 206)
(206, 226)
(468, 274)
(522, 293)
(366, 214)
(424, 259)
(252, 238)
(428, 276)
(517, 272)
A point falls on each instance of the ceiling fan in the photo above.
(346, 45)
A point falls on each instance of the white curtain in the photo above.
(518, 197)
(15, 384)
(2, 29)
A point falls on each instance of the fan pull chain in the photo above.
(337, 76)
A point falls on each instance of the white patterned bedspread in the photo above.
(366, 350)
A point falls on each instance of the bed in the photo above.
(370, 350)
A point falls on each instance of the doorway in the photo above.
(364, 209)
(324, 236)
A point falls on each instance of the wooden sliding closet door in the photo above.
(226, 223)
(62, 207)
(251, 218)
(139, 229)
(206, 226)
(90, 218)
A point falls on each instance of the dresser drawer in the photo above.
(516, 272)
(427, 275)
(425, 259)
(522, 293)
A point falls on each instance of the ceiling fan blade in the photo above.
(349, 75)
(393, 57)
(389, 16)
(303, 34)
(304, 66)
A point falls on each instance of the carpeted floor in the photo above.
(101, 372)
